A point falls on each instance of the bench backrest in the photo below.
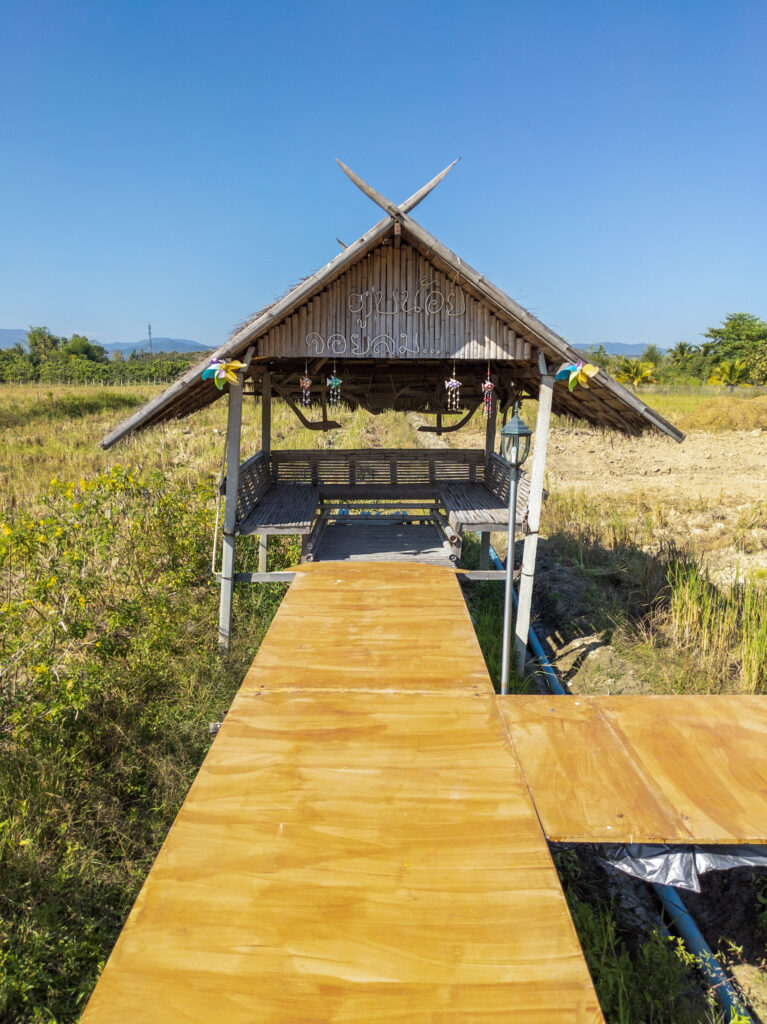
(254, 482)
(498, 480)
(378, 467)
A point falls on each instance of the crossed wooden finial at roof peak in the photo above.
(397, 212)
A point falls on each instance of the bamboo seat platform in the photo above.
(474, 507)
(284, 508)
(283, 495)
(689, 769)
(359, 844)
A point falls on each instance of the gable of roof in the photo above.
(321, 314)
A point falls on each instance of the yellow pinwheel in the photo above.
(222, 372)
(577, 373)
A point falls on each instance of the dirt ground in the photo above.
(704, 492)
(728, 466)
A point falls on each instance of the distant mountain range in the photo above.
(10, 336)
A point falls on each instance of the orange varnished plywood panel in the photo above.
(352, 857)
(644, 768)
(372, 626)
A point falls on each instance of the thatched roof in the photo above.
(509, 340)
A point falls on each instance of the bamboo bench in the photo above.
(287, 496)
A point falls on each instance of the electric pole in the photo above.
(149, 329)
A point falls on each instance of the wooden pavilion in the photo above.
(387, 324)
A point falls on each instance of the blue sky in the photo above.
(173, 162)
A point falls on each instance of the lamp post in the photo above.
(515, 447)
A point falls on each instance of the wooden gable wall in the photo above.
(394, 304)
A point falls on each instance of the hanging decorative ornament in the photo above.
(453, 388)
(334, 389)
(578, 373)
(222, 372)
(306, 387)
(488, 395)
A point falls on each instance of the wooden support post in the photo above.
(484, 541)
(262, 551)
(484, 550)
(535, 501)
(233, 435)
(266, 418)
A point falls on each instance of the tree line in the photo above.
(734, 354)
(45, 357)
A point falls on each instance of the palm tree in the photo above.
(634, 372)
(730, 374)
(682, 353)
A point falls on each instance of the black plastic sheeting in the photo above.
(680, 866)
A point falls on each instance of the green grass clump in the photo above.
(657, 602)
(725, 627)
(108, 681)
(640, 977)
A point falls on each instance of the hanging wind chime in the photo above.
(334, 389)
(306, 387)
(453, 388)
(488, 394)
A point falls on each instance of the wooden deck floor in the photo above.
(644, 769)
(359, 845)
(382, 542)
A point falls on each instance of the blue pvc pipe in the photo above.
(683, 923)
(670, 899)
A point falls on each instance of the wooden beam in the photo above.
(233, 435)
(440, 429)
(266, 417)
(535, 501)
(422, 193)
(324, 424)
(264, 577)
(386, 204)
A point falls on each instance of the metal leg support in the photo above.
(227, 589)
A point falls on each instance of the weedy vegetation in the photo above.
(109, 676)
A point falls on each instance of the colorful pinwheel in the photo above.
(578, 373)
(222, 372)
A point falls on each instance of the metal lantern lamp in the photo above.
(515, 447)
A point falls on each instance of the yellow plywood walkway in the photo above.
(643, 769)
(359, 845)
(395, 627)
